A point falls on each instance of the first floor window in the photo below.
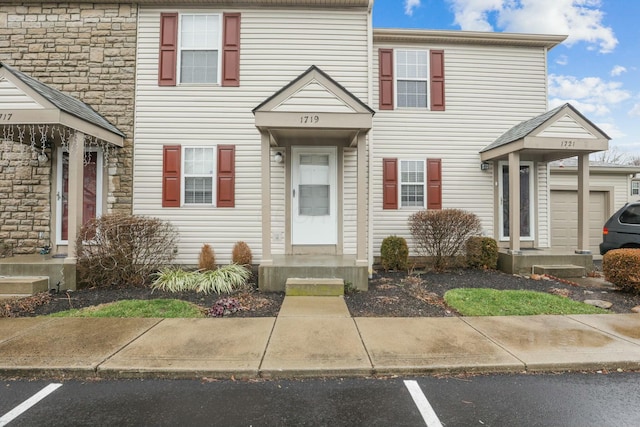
(635, 188)
(412, 173)
(199, 170)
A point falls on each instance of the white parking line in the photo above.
(24, 406)
(428, 415)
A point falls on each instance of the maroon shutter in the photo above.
(226, 176)
(390, 183)
(434, 184)
(385, 58)
(171, 176)
(437, 80)
(167, 59)
(231, 50)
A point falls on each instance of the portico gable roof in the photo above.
(557, 134)
(27, 101)
(313, 106)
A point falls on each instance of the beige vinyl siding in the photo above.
(13, 98)
(488, 90)
(314, 97)
(618, 183)
(566, 127)
(276, 47)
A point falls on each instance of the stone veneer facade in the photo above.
(86, 50)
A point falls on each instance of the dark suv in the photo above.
(622, 230)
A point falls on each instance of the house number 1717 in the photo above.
(5, 116)
(309, 120)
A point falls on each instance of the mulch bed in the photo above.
(390, 294)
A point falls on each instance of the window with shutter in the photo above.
(385, 75)
(171, 164)
(168, 49)
(226, 176)
(390, 184)
(434, 184)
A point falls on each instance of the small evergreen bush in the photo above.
(241, 254)
(442, 234)
(622, 268)
(207, 258)
(482, 252)
(394, 253)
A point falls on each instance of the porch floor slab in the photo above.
(412, 345)
(557, 342)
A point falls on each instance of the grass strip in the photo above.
(491, 302)
(160, 308)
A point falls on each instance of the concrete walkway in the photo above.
(315, 336)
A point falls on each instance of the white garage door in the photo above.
(564, 219)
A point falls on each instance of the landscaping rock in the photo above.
(599, 303)
(636, 309)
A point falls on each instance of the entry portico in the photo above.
(306, 128)
(558, 134)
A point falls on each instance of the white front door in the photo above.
(314, 218)
(527, 208)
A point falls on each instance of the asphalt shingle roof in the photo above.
(64, 102)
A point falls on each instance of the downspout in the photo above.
(370, 139)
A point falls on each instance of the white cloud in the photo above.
(562, 60)
(589, 95)
(611, 129)
(410, 5)
(581, 20)
(635, 111)
(617, 70)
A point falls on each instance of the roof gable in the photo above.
(315, 90)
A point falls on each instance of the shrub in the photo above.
(442, 233)
(394, 253)
(207, 258)
(119, 249)
(241, 254)
(482, 252)
(622, 268)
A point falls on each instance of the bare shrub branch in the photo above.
(118, 249)
(442, 234)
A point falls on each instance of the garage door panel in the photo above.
(564, 219)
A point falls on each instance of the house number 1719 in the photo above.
(309, 120)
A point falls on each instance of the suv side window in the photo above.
(631, 215)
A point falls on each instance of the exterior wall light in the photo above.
(484, 166)
(279, 157)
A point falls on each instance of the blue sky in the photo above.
(597, 69)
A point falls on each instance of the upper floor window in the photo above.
(635, 188)
(199, 48)
(412, 78)
(412, 182)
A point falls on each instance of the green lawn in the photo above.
(490, 302)
(162, 308)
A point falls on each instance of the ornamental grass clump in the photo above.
(175, 280)
(207, 258)
(225, 279)
(241, 254)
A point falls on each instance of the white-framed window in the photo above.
(635, 188)
(198, 178)
(412, 78)
(412, 183)
(200, 38)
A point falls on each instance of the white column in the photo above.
(266, 198)
(75, 194)
(361, 228)
(514, 201)
(583, 204)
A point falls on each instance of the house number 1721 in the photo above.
(309, 120)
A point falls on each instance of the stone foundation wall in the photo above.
(86, 50)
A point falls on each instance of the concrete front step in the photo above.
(23, 285)
(563, 271)
(314, 287)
